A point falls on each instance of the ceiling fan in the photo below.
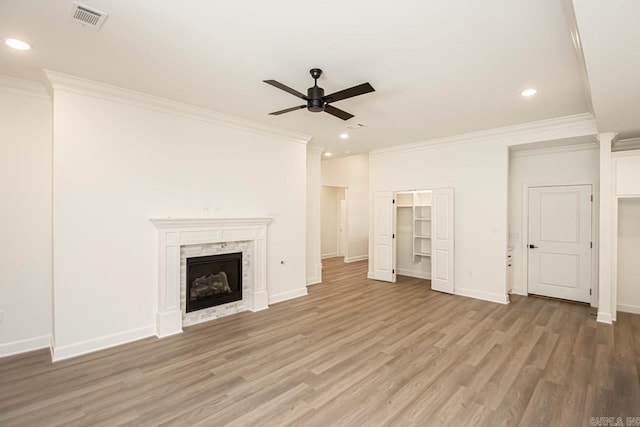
(317, 101)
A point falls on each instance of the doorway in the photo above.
(560, 244)
(333, 222)
(425, 219)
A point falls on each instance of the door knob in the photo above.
(532, 246)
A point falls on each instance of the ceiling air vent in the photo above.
(87, 16)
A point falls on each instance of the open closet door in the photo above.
(384, 247)
(442, 255)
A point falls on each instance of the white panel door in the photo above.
(384, 247)
(442, 236)
(560, 242)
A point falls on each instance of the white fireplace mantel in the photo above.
(176, 232)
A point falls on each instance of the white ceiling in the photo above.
(439, 67)
(610, 34)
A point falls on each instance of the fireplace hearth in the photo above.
(213, 280)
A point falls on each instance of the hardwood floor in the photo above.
(354, 352)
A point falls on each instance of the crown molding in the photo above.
(544, 130)
(23, 87)
(626, 144)
(555, 150)
(67, 83)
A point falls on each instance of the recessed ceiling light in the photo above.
(17, 44)
(327, 154)
(344, 135)
(528, 92)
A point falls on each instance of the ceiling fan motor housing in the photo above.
(315, 102)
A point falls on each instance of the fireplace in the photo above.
(213, 280)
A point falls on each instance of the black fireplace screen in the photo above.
(213, 280)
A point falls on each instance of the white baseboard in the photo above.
(486, 296)
(356, 258)
(604, 318)
(89, 346)
(414, 273)
(284, 296)
(329, 255)
(317, 278)
(23, 346)
(370, 275)
(626, 308)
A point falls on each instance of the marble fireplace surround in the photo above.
(173, 233)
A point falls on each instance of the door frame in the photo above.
(595, 220)
(342, 251)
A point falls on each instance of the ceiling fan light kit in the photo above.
(317, 101)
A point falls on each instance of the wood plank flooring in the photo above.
(354, 352)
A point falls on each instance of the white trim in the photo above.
(370, 275)
(174, 223)
(486, 296)
(634, 309)
(413, 273)
(23, 87)
(631, 144)
(99, 90)
(24, 346)
(615, 202)
(174, 233)
(96, 344)
(356, 258)
(543, 130)
(604, 318)
(329, 255)
(284, 296)
(317, 278)
(572, 24)
(554, 150)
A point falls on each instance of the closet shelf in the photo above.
(422, 254)
(417, 236)
(422, 219)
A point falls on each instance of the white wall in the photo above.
(329, 220)
(553, 166)
(628, 255)
(25, 218)
(314, 263)
(479, 175)
(477, 166)
(115, 166)
(353, 173)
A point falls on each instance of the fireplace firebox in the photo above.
(213, 280)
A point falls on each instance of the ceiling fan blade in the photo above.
(337, 112)
(277, 113)
(286, 89)
(348, 93)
